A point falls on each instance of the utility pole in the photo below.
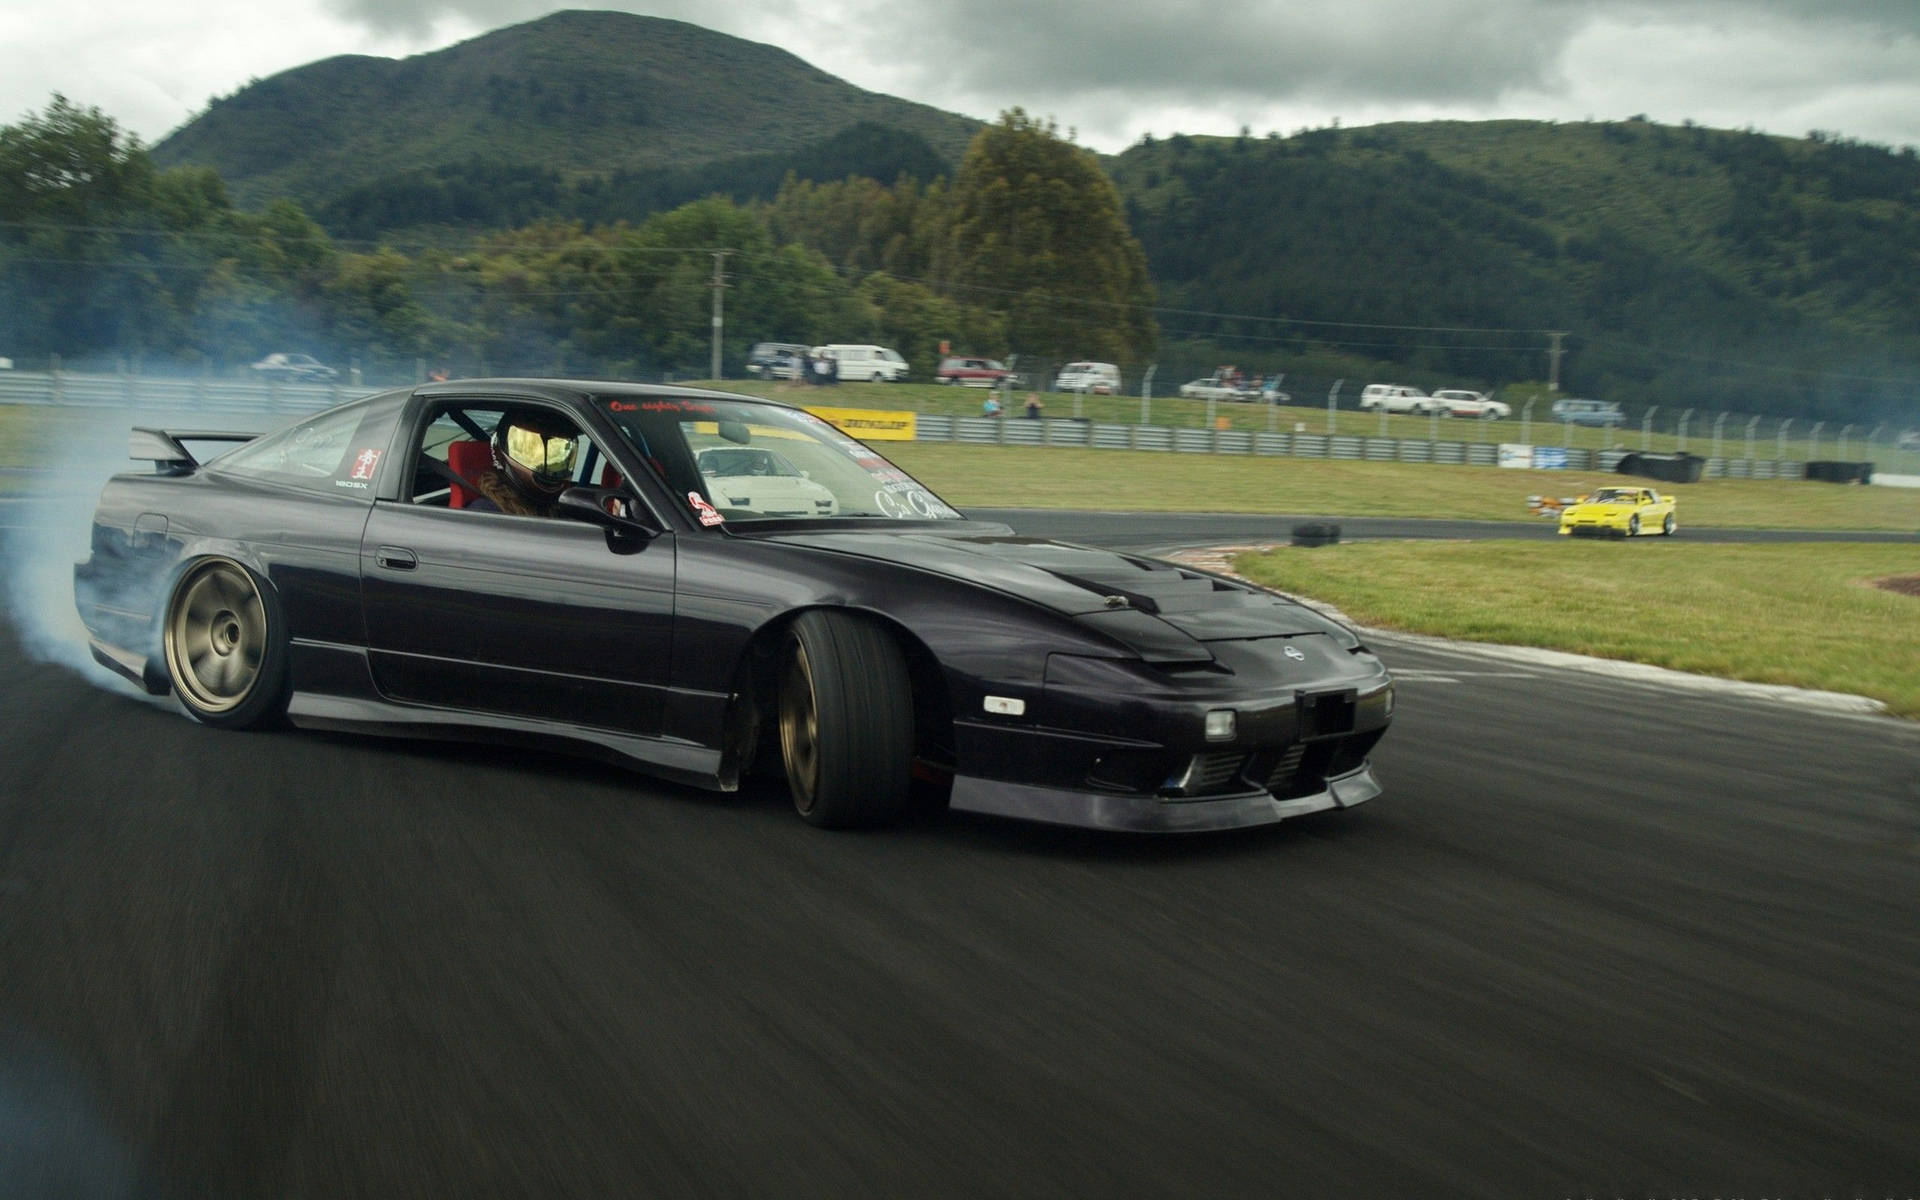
(719, 290)
(1553, 359)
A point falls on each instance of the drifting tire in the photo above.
(846, 721)
(1668, 526)
(1633, 525)
(225, 645)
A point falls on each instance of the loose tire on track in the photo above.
(225, 645)
(846, 720)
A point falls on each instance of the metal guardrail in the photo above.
(284, 401)
(1060, 431)
(247, 397)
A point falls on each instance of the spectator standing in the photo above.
(1033, 406)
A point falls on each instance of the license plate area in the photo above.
(1326, 714)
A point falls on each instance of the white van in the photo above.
(1096, 378)
(865, 364)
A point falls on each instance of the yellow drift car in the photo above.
(1619, 512)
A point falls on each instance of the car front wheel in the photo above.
(846, 721)
(1633, 526)
(225, 644)
(1667, 526)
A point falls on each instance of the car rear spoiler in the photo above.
(163, 447)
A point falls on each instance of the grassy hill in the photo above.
(572, 92)
(1737, 270)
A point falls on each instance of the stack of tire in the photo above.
(1840, 472)
(1668, 468)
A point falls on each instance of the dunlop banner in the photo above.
(867, 424)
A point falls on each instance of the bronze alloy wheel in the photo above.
(800, 730)
(217, 636)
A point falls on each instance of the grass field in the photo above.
(1143, 481)
(1806, 615)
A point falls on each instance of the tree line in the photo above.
(1024, 250)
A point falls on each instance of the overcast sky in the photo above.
(1109, 69)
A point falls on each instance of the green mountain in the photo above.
(1725, 269)
(574, 92)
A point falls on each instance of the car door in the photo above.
(543, 618)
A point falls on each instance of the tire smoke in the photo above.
(46, 521)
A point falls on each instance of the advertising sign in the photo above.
(867, 424)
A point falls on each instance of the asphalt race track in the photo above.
(1596, 940)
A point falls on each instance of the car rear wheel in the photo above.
(225, 645)
(846, 721)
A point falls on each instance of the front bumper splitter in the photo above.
(1154, 814)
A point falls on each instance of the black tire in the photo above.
(1668, 526)
(224, 642)
(1633, 525)
(846, 721)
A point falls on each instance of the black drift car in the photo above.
(343, 573)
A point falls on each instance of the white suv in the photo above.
(1393, 398)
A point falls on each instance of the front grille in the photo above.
(1214, 771)
(1281, 778)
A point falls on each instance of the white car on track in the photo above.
(763, 483)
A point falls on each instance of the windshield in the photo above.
(1611, 496)
(744, 461)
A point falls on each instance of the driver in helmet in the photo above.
(533, 457)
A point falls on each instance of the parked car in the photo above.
(1619, 512)
(1602, 413)
(339, 574)
(1909, 440)
(776, 360)
(1217, 387)
(1094, 378)
(1462, 403)
(962, 371)
(295, 368)
(865, 363)
(1398, 398)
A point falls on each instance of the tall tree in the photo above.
(1039, 234)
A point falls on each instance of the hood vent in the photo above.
(1151, 587)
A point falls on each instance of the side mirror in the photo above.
(609, 508)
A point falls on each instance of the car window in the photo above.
(732, 461)
(435, 471)
(337, 451)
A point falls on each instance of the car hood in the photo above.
(1608, 509)
(1157, 608)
